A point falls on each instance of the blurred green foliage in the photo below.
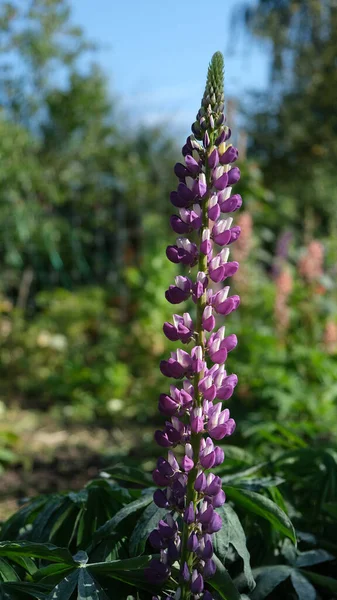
(83, 226)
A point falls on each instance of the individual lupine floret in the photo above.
(181, 329)
(220, 424)
(180, 291)
(176, 403)
(208, 319)
(184, 252)
(218, 345)
(188, 220)
(228, 203)
(219, 268)
(223, 304)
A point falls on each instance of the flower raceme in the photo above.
(196, 419)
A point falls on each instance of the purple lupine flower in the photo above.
(187, 488)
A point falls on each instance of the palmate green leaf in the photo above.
(148, 520)
(66, 587)
(258, 483)
(303, 588)
(35, 550)
(83, 577)
(268, 578)
(65, 526)
(326, 583)
(48, 517)
(277, 497)
(233, 533)
(119, 495)
(313, 557)
(265, 508)
(26, 563)
(223, 583)
(240, 475)
(110, 527)
(11, 528)
(129, 571)
(52, 574)
(7, 573)
(239, 454)
(331, 509)
(138, 563)
(88, 588)
(131, 474)
(23, 591)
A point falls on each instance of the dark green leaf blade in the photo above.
(313, 557)
(7, 573)
(304, 589)
(110, 526)
(326, 583)
(262, 506)
(131, 474)
(64, 589)
(232, 533)
(88, 588)
(268, 578)
(35, 550)
(222, 582)
(148, 520)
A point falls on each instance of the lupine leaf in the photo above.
(22, 591)
(64, 589)
(223, 583)
(129, 571)
(65, 524)
(304, 589)
(331, 509)
(268, 578)
(132, 474)
(26, 563)
(128, 564)
(110, 526)
(240, 475)
(313, 557)
(148, 520)
(7, 573)
(238, 454)
(34, 550)
(233, 533)
(326, 583)
(50, 518)
(256, 484)
(88, 588)
(53, 574)
(262, 506)
(16, 522)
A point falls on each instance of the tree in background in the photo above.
(294, 130)
(73, 182)
(81, 202)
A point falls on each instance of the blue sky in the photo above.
(156, 52)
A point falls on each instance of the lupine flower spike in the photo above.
(196, 419)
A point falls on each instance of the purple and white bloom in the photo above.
(196, 419)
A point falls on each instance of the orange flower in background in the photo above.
(284, 286)
(310, 265)
(330, 337)
(241, 251)
(244, 243)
